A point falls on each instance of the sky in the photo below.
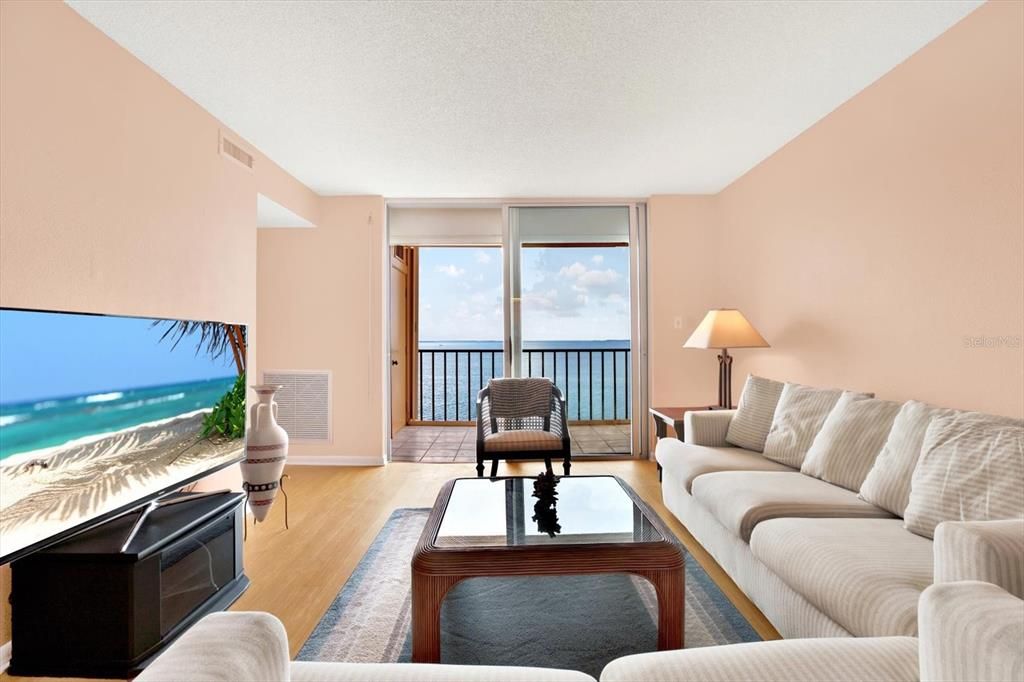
(568, 294)
(55, 355)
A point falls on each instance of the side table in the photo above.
(665, 417)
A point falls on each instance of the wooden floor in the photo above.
(335, 512)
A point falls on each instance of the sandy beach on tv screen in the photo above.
(90, 476)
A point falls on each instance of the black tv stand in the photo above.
(105, 602)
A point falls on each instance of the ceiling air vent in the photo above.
(304, 404)
(232, 150)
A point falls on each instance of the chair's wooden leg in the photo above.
(479, 466)
(566, 463)
(494, 467)
(547, 466)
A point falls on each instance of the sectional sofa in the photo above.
(884, 541)
(971, 631)
(822, 559)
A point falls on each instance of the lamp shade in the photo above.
(725, 328)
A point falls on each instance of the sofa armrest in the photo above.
(707, 427)
(989, 551)
(830, 659)
(970, 632)
(233, 646)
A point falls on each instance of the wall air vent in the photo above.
(230, 149)
(304, 404)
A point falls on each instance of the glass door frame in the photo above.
(512, 280)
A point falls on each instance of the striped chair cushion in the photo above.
(849, 441)
(749, 426)
(520, 397)
(971, 469)
(888, 483)
(525, 440)
(798, 417)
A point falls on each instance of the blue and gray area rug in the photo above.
(576, 622)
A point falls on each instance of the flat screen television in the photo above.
(100, 414)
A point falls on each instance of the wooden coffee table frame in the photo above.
(435, 570)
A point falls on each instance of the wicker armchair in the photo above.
(521, 419)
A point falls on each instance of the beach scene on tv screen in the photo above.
(98, 411)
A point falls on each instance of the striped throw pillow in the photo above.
(798, 418)
(971, 469)
(749, 426)
(888, 483)
(850, 439)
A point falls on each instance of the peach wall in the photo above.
(113, 197)
(320, 305)
(682, 265)
(871, 249)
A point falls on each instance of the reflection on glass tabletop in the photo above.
(504, 512)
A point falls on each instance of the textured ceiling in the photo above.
(444, 99)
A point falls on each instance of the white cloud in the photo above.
(483, 257)
(451, 270)
(586, 279)
(598, 259)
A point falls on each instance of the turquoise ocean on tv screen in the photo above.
(65, 376)
(44, 423)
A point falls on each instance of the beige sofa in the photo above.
(970, 632)
(817, 560)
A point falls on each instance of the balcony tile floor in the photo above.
(458, 443)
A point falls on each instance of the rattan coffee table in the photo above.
(484, 527)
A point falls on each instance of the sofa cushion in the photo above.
(971, 469)
(686, 462)
(888, 483)
(865, 574)
(798, 417)
(524, 440)
(850, 439)
(749, 426)
(428, 672)
(742, 499)
(818, 659)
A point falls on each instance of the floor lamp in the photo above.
(725, 328)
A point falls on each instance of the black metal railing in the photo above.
(595, 381)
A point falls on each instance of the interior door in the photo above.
(399, 340)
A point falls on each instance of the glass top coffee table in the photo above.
(498, 527)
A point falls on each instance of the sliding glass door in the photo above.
(570, 314)
(520, 290)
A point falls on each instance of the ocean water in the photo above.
(594, 376)
(45, 423)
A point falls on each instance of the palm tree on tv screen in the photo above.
(215, 338)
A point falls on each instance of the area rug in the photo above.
(575, 622)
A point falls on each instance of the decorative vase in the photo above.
(266, 449)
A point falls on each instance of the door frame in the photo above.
(512, 276)
(638, 294)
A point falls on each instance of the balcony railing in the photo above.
(595, 381)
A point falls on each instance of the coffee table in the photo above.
(483, 527)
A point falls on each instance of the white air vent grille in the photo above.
(304, 404)
(231, 150)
